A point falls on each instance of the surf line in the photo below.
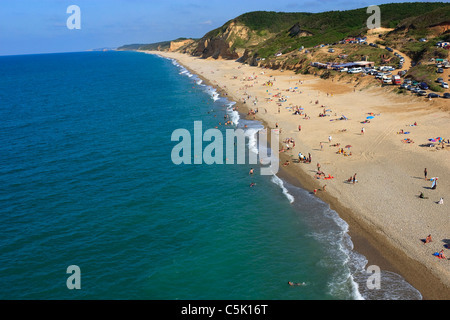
(214, 152)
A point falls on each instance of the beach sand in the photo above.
(387, 219)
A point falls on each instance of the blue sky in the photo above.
(39, 26)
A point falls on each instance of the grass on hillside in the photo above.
(426, 73)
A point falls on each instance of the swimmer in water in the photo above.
(296, 284)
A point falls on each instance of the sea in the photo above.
(93, 207)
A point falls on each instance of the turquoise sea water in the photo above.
(87, 179)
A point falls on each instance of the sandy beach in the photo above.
(388, 221)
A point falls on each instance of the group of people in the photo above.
(287, 147)
(342, 151)
(303, 158)
(352, 179)
(297, 110)
(440, 254)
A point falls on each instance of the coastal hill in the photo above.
(293, 41)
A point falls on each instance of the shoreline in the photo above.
(373, 245)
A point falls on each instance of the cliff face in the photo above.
(178, 44)
(223, 44)
(296, 31)
(215, 48)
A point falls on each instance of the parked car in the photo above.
(446, 95)
(422, 93)
(387, 68)
(396, 79)
(439, 80)
(440, 70)
(444, 85)
(387, 80)
(344, 70)
(423, 86)
(433, 95)
(355, 70)
(389, 49)
(415, 90)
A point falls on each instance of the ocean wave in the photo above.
(280, 183)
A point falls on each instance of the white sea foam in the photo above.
(252, 135)
(280, 183)
(234, 115)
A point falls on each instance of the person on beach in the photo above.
(354, 178)
(441, 255)
(422, 196)
(434, 185)
(428, 239)
(329, 139)
(251, 171)
(299, 128)
(441, 201)
(425, 172)
(363, 130)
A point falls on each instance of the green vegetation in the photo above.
(424, 50)
(163, 45)
(333, 26)
(270, 22)
(130, 47)
(156, 46)
(425, 73)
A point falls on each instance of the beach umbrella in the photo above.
(348, 146)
